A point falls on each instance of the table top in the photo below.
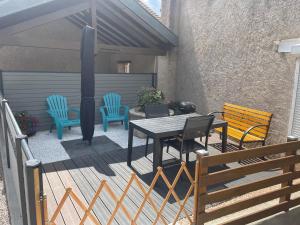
(168, 125)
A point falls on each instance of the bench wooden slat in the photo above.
(239, 130)
(241, 118)
(245, 119)
(244, 126)
(237, 135)
(254, 111)
(246, 113)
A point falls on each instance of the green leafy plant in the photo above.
(28, 124)
(149, 96)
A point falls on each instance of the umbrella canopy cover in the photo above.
(87, 105)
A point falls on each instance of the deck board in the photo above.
(84, 175)
(68, 181)
(51, 201)
(132, 201)
(96, 176)
(68, 211)
(88, 189)
(125, 174)
(142, 166)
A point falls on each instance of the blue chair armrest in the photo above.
(52, 114)
(102, 110)
(76, 110)
(126, 109)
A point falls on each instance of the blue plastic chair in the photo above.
(59, 111)
(113, 110)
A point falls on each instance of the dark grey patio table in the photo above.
(164, 127)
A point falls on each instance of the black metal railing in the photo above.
(22, 172)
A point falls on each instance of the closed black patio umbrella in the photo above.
(87, 105)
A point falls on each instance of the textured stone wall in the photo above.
(42, 59)
(167, 64)
(226, 53)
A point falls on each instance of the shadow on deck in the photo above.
(84, 174)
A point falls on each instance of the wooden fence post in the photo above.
(34, 189)
(45, 208)
(202, 187)
(286, 169)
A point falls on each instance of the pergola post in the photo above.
(93, 22)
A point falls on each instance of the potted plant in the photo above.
(149, 96)
(28, 124)
(145, 96)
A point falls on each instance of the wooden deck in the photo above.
(84, 175)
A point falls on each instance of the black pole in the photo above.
(87, 105)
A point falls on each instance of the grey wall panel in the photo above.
(29, 90)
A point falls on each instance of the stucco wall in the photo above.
(226, 53)
(14, 58)
(167, 64)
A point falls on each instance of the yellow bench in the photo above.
(245, 125)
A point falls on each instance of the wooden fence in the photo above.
(132, 217)
(285, 184)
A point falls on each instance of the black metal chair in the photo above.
(195, 127)
(155, 111)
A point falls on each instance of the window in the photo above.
(294, 125)
(124, 67)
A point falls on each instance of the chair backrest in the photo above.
(58, 104)
(156, 110)
(242, 118)
(112, 102)
(197, 126)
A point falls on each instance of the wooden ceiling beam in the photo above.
(101, 32)
(75, 46)
(41, 20)
(147, 20)
(104, 8)
(115, 39)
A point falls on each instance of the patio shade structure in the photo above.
(87, 105)
(122, 26)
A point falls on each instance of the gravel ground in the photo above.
(4, 216)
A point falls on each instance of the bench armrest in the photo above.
(251, 128)
(213, 113)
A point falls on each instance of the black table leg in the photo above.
(130, 139)
(224, 138)
(157, 154)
